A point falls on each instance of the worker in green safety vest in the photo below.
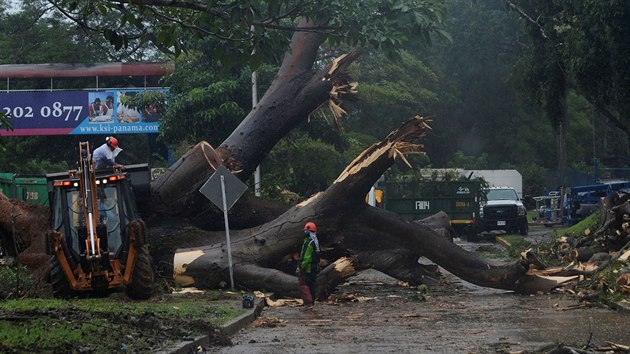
(308, 265)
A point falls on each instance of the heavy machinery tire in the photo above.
(471, 233)
(523, 229)
(60, 285)
(141, 286)
(472, 236)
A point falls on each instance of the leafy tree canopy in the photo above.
(587, 41)
(390, 92)
(34, 34)
(253, 31)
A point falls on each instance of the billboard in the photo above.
(76, 112)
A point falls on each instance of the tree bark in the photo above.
(294, 94)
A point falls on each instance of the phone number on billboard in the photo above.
(57, 110)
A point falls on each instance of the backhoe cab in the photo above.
(98, 241)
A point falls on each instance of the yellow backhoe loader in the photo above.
(98, 241)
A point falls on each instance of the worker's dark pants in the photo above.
(306, 284)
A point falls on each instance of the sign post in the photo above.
(223, 189)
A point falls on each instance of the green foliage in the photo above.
(390, 92)
(582, 44)
(478, 111)
(466, 83)
(204, 113)
(384, 25)
(601, 285)
(256, 32)
(549, 252)
(5, 123)
(35, 35)
(414, 184)
(302, 165)
(534, 179)
(11, 277)
(591, 222)
(30, 37)
(40, 167)
(354, 144)
(517, 244)
(596, 51)
(35, 155)
(208, 100)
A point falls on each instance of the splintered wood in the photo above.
(398, 143)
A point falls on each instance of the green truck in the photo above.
(30, 189)
(415, 200)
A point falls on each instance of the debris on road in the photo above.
(270, 322)
(594, 252)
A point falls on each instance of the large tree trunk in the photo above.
(346, 221)
(294, 94)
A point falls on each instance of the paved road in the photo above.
(371, 314)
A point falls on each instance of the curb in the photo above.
(227, 329)
(233, 326)
(503, 242)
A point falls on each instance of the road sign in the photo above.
(234, 188)
(223, 189)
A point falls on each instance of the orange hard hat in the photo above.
(111, 141)
(310, 226)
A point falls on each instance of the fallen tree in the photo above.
(348, 226)
(379, 238)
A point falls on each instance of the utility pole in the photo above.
(254, 103)
(16, 260)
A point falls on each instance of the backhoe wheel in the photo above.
(141, 286)
(60, 285)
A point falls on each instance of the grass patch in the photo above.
(591, 222)
(174, 307)
(517, 244)
(532, 215)
(111, 324)
(15, 281)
